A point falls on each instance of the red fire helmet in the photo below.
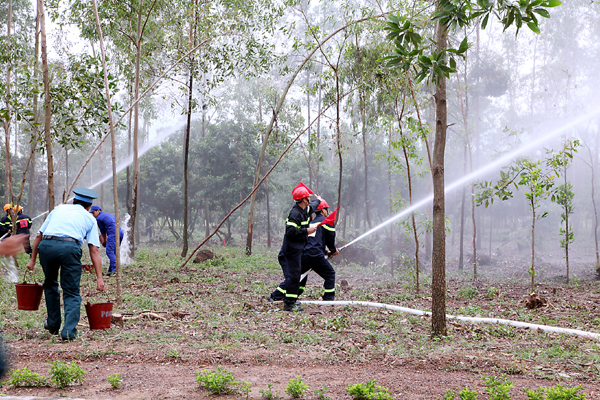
(300, 193)
(323, 204)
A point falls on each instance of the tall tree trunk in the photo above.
(268, 215)
(318, 144)
(136, 121)
(593, 160)
(47, 108)
(310, 172)
(186, 152)
(36, 115)
(338, 142)
(391, 202)
(438, 284)
(114, 156)
(186, 145)
(567, 212)
(532, 270)
(129, 140)
(461, 251)
(6, 122)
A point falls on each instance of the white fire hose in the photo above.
(413, 311)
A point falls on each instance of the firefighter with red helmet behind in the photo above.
(313, 256)
(297, 230)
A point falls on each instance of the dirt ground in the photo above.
(395, 349)
(148, 378)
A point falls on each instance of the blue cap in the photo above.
(95, 208)
(87, 195)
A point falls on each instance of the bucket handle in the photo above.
(27, 271)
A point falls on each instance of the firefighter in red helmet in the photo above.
(297, 230)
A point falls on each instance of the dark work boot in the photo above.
(292, 307)
(53, 331)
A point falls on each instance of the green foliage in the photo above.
(268, 393)
(368, 391)
(115, 380)
(216, 382)
(470, 292)
(498, 389)
(63, 374)
(320, 394)
(296, 387)
(557, 392)
(26, 378)
(449, 395)
(492, 292)
(245, 388)
(467, 394)
(413, 50)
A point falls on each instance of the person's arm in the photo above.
(13, 245)
(103, 239)
(97, 262)
(32, 260)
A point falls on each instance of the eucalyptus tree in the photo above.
(434, 61)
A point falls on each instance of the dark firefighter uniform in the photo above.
(23, 225)
(294, 241)
(290, 255)
(313, 257)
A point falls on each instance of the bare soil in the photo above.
(329, 347)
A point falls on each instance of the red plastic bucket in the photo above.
(29, 295)
(99, 315)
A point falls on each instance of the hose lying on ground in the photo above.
(413, 311)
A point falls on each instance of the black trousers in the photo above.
(320, 265)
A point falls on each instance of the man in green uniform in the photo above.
(59, 242)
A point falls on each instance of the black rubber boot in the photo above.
(53, 331)
(292, 307)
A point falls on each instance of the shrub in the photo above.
(245, 388)
(467, 394)
(26, 378)
(469, 292)
(296, 387)
(268, 393)
(320, 394)
(115, 380)
(498, 389)
(63, 374)
(368, 391)
(216, 382)
(557, 392)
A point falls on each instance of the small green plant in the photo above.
(468, 293)
(216, 382)
(557, 392)
(115, 380)
(63, 374)
(320, 394)
(26, 378)
(174, 353)
(296, 387)
(449, 395)
(492, 293)
(245, 388)
(268, 393)
(368, 391)
(498, 389)
(467, 394)
(535, 394)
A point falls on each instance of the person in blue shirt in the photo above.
(106, 225)
(59, 242)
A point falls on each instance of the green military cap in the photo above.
(87, 195)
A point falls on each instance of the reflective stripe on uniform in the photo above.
(295, 296)
(290, 223)
(301, 288)
(304, 222)
(329, 228)
(281, 290)
(329, 290)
